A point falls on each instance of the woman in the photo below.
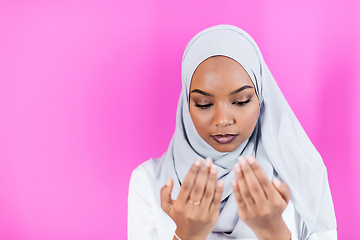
(230, 108)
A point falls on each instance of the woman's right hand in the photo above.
(196, 209)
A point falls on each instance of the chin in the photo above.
(225, 147)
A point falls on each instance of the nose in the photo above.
(223, 117)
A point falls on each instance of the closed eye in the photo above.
(205, 106)
(242, 103)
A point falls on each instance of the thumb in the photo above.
(283, 189)
(165, 195)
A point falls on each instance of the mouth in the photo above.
(224, 138)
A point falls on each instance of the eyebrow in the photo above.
(240, 89)
(211, 95)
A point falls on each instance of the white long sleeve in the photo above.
(141, 222)
(146, 219)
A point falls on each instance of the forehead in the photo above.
(219, 73)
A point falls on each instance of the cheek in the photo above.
(248, 118)
(200, 120)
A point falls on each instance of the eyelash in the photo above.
(210, 104)
(243, 103)
(203, 106)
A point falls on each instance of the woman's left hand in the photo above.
(260, 202)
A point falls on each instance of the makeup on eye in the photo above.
(204, 96)
(204, 106)
(238, 103)
(241, 103)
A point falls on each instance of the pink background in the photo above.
(88, 90)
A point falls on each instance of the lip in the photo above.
(224, 138)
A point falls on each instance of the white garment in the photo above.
(147, 221)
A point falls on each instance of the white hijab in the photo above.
(278, 142)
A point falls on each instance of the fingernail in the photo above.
(277, 182)
(220, 183)
(168, 182)
(197, 162)
(234, 183)
(251, 160)
(208, 162)
(242, 161)
(236, 168)
(213, 169)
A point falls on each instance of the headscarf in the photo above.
(278, 141)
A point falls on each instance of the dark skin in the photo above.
(225, 111)
(223, 101)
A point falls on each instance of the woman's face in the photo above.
(223, 103)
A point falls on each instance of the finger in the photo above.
(215, 205)
(209, 188)
(188, 182)
(283, 189)
(262, 178)
(253, 184)
(165, 196)
(237, 194)
(198, 188)
(243, 187)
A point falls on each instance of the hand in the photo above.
(260, 203)
(196, 209)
